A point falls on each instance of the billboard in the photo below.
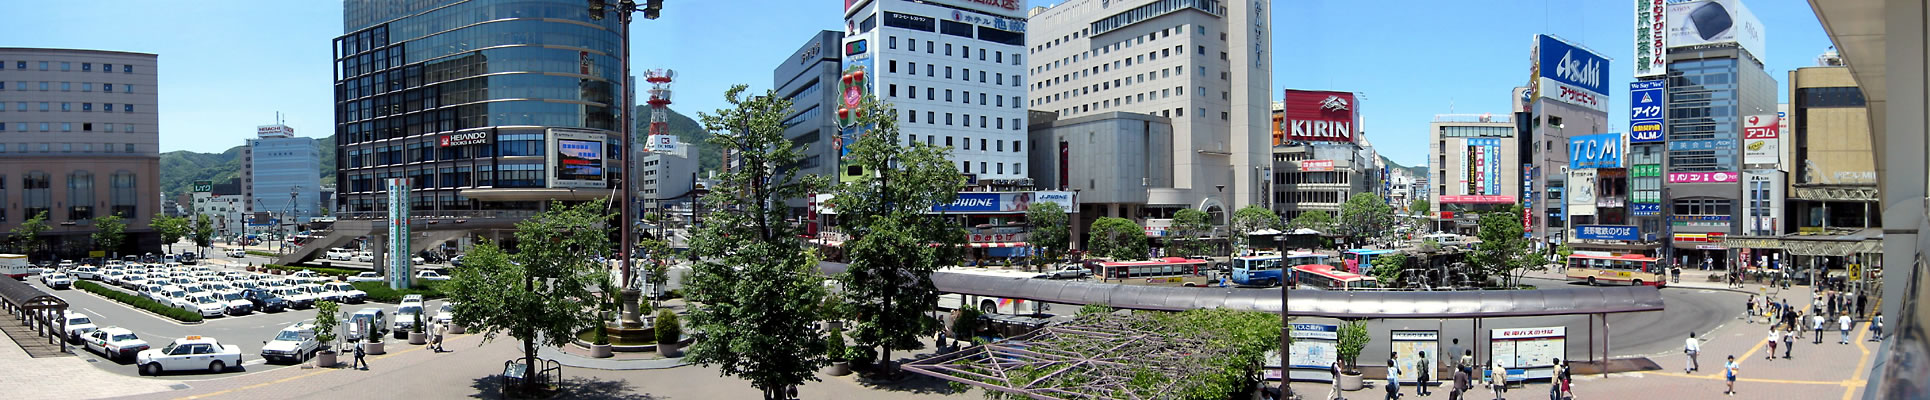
(1316, 165)
(1759, 136)
(662, 143)
(463, 139)
(1645, 111)
(1651, 38)
(1605, 232)
(1004, 202)
(1707, 22)
(203, 186)
(400, 266)
(1705, 144)
(1477, 199)
(1319, 116)
(1703, 177)
(1570, 74)
(1581, 192)
(576, 159)
(1595, 151)
(853, 85)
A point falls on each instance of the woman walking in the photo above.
(1773, 338)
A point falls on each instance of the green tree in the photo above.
(761, 292)
(202, 234)
(26, 236)
(109, 232)
(537, 295)
(172, 229)
(1116, 238)
(1187, 236)
(1365, 216)
(1420, 208)
(1388, 268)
(1252, 218)
(1502, 250)
(325, 322)
(1051, 229)
(1318, 220)
(896, 243)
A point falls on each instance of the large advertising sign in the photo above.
(1605, 232)
(1528, 348)
(1645, 110)
(1705, 144)
(1595, 151)
(203, 186)
(1581, 192)
(1570, 74)
(1651, 38)
(576, 159)
(1707, 22)
(1759, 136)
(662, 143)
(398, 255)
(1004, 202)
(463, 139)
(1477, 199)
(853, 85)
(1703, 177)
(1319, 116)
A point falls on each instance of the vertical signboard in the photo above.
(1645, 111)
(853, 85)
(1651, 38)
(399, 263)
(1581, 192)
(1759, 135)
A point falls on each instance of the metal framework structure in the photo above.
(39, 311)
(1089, 358)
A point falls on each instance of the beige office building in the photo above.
(79, 140)
(1474, 166)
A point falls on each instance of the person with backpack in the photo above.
(361, 356)
(1425, 372)
(1393, 377)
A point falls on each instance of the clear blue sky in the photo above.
(229, 65)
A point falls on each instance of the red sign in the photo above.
(1316, 165)
(1319, 116)
(1527, 223)
(1478, 199)
(460, 139)
(583, 61)
(996, 237)
(1759, 127)
(1703, 177)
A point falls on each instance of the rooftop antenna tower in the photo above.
(659, 102)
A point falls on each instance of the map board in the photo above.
(1313, 351)
(1532, 350)
(1408, 346)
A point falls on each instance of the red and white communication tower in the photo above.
(659, 79)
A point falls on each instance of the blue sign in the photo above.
(971, 202)
(1647, 209)
(1605, 232)
(1572, 65)
(1645, 111)
(1709, 144)
(1595, 151)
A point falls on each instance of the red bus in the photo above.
(1326, 277)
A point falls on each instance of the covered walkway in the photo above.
(39, 319)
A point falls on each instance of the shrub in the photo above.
(262, 253)
(139, 302)
(381, 293)
(668, 330)
(834, 346)
(319, 270)
(966, 326)
(325, 321)
(1353, 339)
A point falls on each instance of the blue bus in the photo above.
(1266, 269)
(1358, 260)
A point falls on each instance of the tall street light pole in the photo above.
(624, 8)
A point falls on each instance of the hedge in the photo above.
(140, 302)
(381, 293)
(262, 253)
(319, 270)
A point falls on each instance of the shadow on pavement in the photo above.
(490, 387)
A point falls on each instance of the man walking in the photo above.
(1454, 350)
(1693, 348)
(1861, 302)
(1844, 322)
(1498, 378)
(360, 355)
(1730, 370)
(1876, 327)
(1424, 372)
(1789, 343)
(1334, 370)
(1818, 321)
(1462, 382)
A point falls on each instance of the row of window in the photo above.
(37, 192)
(1123, 82)
(65, 86)
(69, 66)
(983, 144)
(931, 93)
(965, 52)
(64, 127)
(931, 72)
(63, 147)
(67, 106)
(1122, 63)
(931, 118)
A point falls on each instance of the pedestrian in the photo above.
(1844, 322)
(1454, 349)
(1789, 343)
(1876, 327)
(1749, 309)
(1498, 379)
(1832, 303)
(1565, 379)
(1861, 302)
(1729, 371)
(1462, 382)
(1334, 370)
(441, 330)
(1693, 348)
(1773, 338)
(1393, 377)
(360, 357)
(1818, 321)
(1795, 323)
(1424, 372)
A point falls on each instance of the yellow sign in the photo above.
(97, 253)
(1856, 272)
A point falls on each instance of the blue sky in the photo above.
(229, 65)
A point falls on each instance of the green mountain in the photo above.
(1416, 170)
(692, 132)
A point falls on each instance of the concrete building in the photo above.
(80, 141)
(277, 164)
(1320, 176)
(1113, 161)
(482, 116)
(666, 178)
(1554, 119)
(1473, 167)
(1202, 63)
(809, 79)
(222, 204)
(1712, 89)
(955, 71)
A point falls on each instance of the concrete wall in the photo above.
(1113, 157)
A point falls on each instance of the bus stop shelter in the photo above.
(39, 312)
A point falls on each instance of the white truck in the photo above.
(15, 266)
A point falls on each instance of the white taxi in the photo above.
(114, 342)
(189, 353)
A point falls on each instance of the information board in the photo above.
(1533, 350)
(1313, 351)
(1408, 347)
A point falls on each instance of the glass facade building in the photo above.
(464, 96)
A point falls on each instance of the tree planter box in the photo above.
(325, 359)
(840, 368)
(418, 338)
(601, 351)
(457, 329)
(669, 349)
(373, 348)
(1350, 382)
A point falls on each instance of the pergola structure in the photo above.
(1090, 358)
(42, 312)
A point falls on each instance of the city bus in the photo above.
(1358, 260)
(1326, 277)
(1266, 269)
(1168, 267)
(1629, 269)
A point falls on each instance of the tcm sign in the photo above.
(1319, 116)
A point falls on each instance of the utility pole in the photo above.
(651, 9)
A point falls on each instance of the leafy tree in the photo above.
(1116, 238)
(203, 233)
(172, 229)
(896, 243)
(1353, 339)
(27, 235)
(1051, 229)
(1252, 218)
(1365, 215)
(537, 295)
(1502, 250)
(1388, 268)
(761, 292)
(325, 322)
(1420, 208)
(109, 232)
(1318, 220)
(1187, 235)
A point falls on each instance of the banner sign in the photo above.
(1595, 151)
(1651, 38)
(400, 264)
(1706, 144)
(1478, 199)
(462, 139)
(1004, 202)
(1605, 232)
(1645, 110)
(203, 186)
(1316, 165)
(1759, 135)
(1570, 74)
(1647, 209)
(1703, 177)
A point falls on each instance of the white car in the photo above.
(87, 272)
(112, 277)
(345, 292)
(235, 303)
(57, 280)
(132, 281)
(293, 344)
(340, 254)
(447, 314)
(366, 257)
(365, 277)
(430, 276)
(77, 325)
(306, 276)
(114, 342)
(155, 291)
(207, 305)
(237, 253)
(297, 298)
(177, 297)
(405, 316)
(320, 293)
(187, 354)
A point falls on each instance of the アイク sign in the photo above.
(1645, 111)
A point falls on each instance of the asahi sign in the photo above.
(1319, 116)
(463, 139)
(1570, 74)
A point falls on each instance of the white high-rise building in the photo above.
(1202, 63)
(955, 71)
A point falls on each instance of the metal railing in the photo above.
(439, 215)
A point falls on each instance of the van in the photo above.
(365, 322)
(15, 266)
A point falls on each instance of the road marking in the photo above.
(1860, 362)
(1847, 382)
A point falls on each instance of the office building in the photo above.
(955, 71)
(809, 79)
(221, 203)
(79, 141)
(1204, 64)
(474, 107)
(1319, 176)
(666, 176)
(1711, 91)
(1474, 167)
(281, 175)
(1562, 104)
(1114, 162)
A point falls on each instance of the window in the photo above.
(893, 66)
(127, 89)
(66, 66)
(948, 140)
(892, 42)
(129, 148)
(910, 45)
(66, 86)
(127, 107)
(43, 106)
(43, 128)
(67, 106)
(928, 70)
(107, 68)
(914, 115)
(948, 121)
(127, 69)
(80, 196)
(108, 107)
(948, 49)
(931, 117)
(43, 86)
(107, 87)
(37, 193)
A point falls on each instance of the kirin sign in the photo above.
(1319, 116)
(1595, 151)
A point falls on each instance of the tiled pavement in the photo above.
(29, 378)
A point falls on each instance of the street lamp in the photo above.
(624, 8)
